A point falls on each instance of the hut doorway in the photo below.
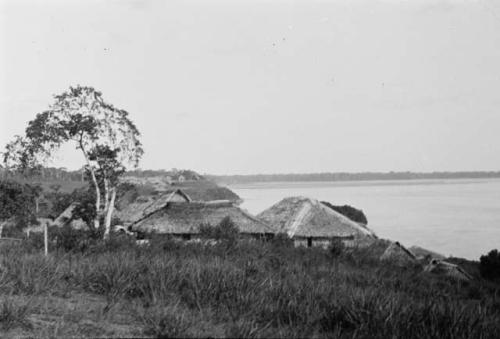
(309, 242)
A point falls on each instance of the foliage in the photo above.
(17, 202)
(260, 290)
(489, 265)
(352, 213)
(225, 230)
(282, 240)
(104, 134)
(336, 247)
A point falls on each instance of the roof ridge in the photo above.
(251, 217)
(299, 217)
(351, 223)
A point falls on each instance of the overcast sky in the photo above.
(235, 87)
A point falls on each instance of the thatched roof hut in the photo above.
(142, 206)
(399, 255)
(308, 218)
(185, 218)
(448, 269)
(66, 218)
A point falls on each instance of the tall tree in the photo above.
(104, 134)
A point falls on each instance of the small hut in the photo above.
(310, 223)
(66, 218)
(398, 255)
(184, 219)
(142, 206)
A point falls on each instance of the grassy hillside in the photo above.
(232, 289)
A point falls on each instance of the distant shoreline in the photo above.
(349, 177)
(353, 183)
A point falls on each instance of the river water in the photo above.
(452, 217)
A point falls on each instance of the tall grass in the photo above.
(254, 289)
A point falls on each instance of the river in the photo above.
(452, 217)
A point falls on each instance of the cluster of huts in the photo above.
(308, 222)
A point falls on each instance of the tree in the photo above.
(104, 134)
(489, 265)
(17, 203)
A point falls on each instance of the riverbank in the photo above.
(452, 217)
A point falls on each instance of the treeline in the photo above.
(44, 174)
(344, 176)
(62, 174)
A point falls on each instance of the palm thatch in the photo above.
(143, 206)
(305, 217)
(66, 218)
(448, 269)
(421, 253)
(397, 254)
(185, 218)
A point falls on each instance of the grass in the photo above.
(243, 289)
(14, 315)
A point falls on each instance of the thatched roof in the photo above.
(66, 218)
(185, 218)
(305, 217)
(448, 269)
(421, 252)
(398, 255)
(143, 206)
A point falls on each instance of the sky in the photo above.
(255, 86)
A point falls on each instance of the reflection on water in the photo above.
(453, 217)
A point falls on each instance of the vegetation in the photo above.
(352, 213)
(252, 289)
(107, 138)
(225, 230)
(490, 265)
(17, 203)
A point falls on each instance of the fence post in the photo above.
(46, 239)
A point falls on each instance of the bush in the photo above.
(282, 240)
(489, 265)
(225, 230)
(348, 211)
(336, 247)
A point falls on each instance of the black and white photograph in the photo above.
(250, 169)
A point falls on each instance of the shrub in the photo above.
(489, 265)
(336, 247)
(225, 230)
(69, 239)
(282, 240)
(352, 213)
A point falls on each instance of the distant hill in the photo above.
(343, 176)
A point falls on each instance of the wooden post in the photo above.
(46, 239)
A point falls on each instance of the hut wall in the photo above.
(323, 242)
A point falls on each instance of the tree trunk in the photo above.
(97, 199)
(96, 187)
(109, 213)
(106, 195)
